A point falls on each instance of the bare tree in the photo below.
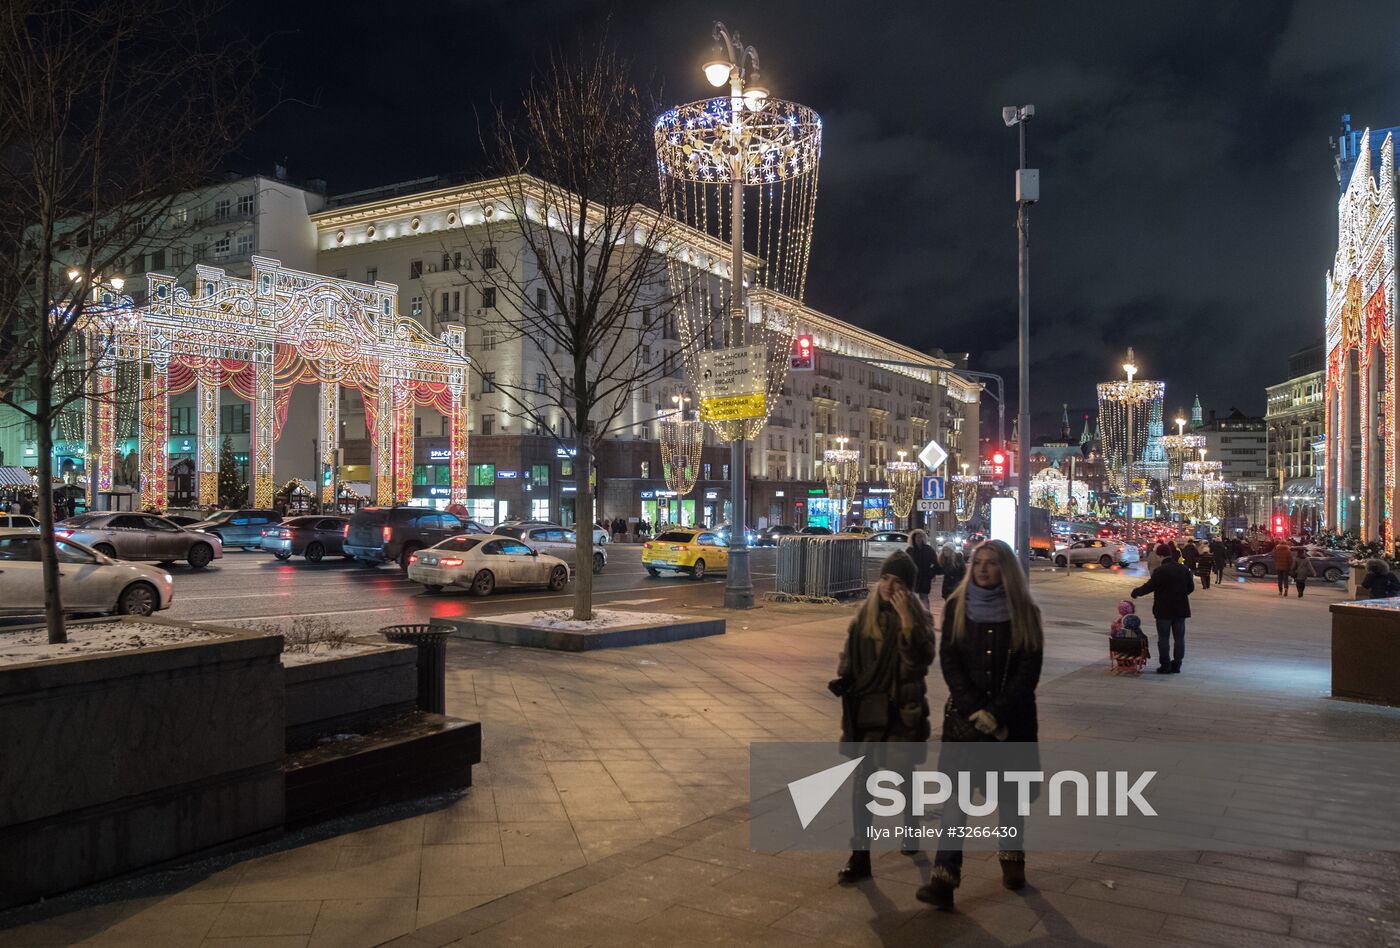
(571, 246)
(108, 111)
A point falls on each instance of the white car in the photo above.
(482, 564)
(1105, 553)
(18, 521)
(555, 540)
(88, 581)
(880, 545)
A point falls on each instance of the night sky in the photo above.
(1188, 195)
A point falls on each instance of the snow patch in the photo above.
(326, 653)
(95, 639)
(563, 619)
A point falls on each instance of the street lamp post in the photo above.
(1027, 193)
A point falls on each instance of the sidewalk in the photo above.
(611, 807)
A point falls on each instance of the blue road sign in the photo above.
(933, 487)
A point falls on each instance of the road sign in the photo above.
(933, 506)
(733, 383)
(933, 488)
(933, 455)
(801, 359)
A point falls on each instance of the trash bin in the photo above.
(431, 641)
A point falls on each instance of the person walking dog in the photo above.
(881, 677)
(1171, 586)
(991, 651)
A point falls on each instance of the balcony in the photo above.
(780, 421)
(827, 373)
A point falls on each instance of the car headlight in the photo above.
(169, 578)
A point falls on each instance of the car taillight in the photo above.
(646, 546)
(448, 560)
(285, 534)
(680, 549)
(63, 533)
(412, 558)
(345, 531)
(387, 532)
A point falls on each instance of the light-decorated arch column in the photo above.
(457, 441)
(328, 411)
(153, 410)
(384, 440)
(263, 446)
(208, 379)
(403, 443)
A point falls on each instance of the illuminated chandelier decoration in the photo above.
(739, 173)
(964, 490)
(1201, 490)
(1180, 448)
(904, 480)
(1125, 410)
(1051, 490)
(682, 440)
(841, 470)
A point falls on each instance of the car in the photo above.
(769, 536)
(1106, 553)
(88, 581)
(685, 550)
(242, 528)
(554, 540)
(393, 534)
(183, 520)
(313, 536)
(815, 531)
(140, 536)
(859, 530)
(1330, 565)
(483, 564)
(881, 545)
(18, 522)
(722, 531)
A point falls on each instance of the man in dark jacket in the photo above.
(1170, 584)
(926, 563)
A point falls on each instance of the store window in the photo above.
(539, 473)
(483, 475)
(539, 509)
(566, 468)
(706, 469)
(482, 510)
(488, 424)
(646, 469)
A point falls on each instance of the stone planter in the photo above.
(345, 695)
(118, 760)
(1366, 650)
(1354, 577)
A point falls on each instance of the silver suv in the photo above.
(555, 540)
(141, 536)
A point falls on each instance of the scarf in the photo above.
(987, 605)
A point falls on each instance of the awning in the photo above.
(354, 488)
(1302, 489)
(15, 477)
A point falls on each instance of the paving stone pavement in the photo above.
(610, 809)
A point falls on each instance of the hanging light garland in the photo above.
(841, 471)
(1051, 490)
(682, 440)
(964, 491)
(1125, 412)
(903, 478)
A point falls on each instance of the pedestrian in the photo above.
(880, 679)
(1154, 558)
(950, 562)
(1283, 565)
(1301, 570)
(1379, 582)
(1205, 565)
(1188, 556)
(991, 651)
(1171, 586)
(926, 562)
(1219, 556)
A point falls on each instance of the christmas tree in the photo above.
(233, 487)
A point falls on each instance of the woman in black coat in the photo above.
(951, 562)
(926, 563)
(881, 678)
(991, 650)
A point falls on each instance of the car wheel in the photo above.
(216, 535)
(432, 587)
(106, 549)
(653, 573)
(166, 563)
(1332, 575)
(199, 556)
(1105, 561)
(283, 554)
(314, 552)
(404, 554)
(1061, 561)
(138, 599)
(484, 584)
(1258, 570)
(698, 570)
(558, 578)
(598, 563)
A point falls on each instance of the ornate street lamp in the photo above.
(738, 313)
(1124, 410)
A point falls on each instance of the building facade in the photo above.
(1241, 444)
(1294, 419)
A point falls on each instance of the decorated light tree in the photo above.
(841, 470)
(903, 478)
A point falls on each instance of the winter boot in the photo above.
(939, 890)
(857, 868)
(1013, 870)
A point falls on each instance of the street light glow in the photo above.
(717, 72)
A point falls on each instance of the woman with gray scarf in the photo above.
(991, 651)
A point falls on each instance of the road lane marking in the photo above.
(636, 602)
(290, 615)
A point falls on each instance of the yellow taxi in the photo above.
(685, 550)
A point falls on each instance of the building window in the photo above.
(157, 260)
(483, 475)
(488, 383)
(180, 216)
(488, 297)
(245, 244)
(488, 424)
(566, 468)
(539, 473)
(488, 258)
(540, 382)
(456, 301)
(371, 274)
(221, 246)
(646, 355)
(540, 299)
(417, 427)
(245, 204)
(234, 418)
(724, 471)
(182, 420)
(488, 340)
(178, 260)
(705, 468)
(415, 269)
(446, 262)
(415, 307)
(457, 260)
(444, 302)
(221, 209)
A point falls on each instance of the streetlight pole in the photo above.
(1027, 193)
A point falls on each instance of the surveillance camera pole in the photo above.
(1027, 192)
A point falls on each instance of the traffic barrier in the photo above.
(825, 566)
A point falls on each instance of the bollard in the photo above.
(431, 641)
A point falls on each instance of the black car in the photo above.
(769, 536)
(239, 528)
(392, 534)
(313, 536)
(816, 531)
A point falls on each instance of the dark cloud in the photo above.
(1189, 203)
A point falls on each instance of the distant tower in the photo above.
(1196, 419)
(1154, 453)
(1088, 435)
(1064, 422)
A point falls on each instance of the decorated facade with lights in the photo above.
(1359, 476)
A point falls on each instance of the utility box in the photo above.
(1028, 186)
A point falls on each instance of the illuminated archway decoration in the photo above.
(1360, 489)
(259, 337)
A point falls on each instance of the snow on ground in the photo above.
(563, 619)
(321, 652)
(93, 639)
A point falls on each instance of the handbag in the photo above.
(873, 712)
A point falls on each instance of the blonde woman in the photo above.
(991, 650)
(882, 672)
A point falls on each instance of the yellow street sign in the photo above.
(733, 407)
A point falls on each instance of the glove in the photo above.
(839, 686)
(983, 721)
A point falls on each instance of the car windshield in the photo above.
(221, 516)
(81, 519)
(458, 543)
(676, 536)
(301, 522)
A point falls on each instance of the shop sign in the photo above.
(816, 492)
(779, 493)
(565, 452)
(507, 475)
(568, 489)
(436, 491)
(711, 495)
(874, 503)
(648, 495)
(439, 454)
(879, 490)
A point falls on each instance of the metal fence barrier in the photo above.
(821, 565)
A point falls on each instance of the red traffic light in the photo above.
(802, 354)
(998, 458)
(1280, 527)
(804, 343)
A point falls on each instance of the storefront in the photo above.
(875, 509)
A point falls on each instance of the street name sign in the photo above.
(733, 384)
(933, 455)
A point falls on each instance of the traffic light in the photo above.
(1280, 525)
(802, 359)
(999, 466)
